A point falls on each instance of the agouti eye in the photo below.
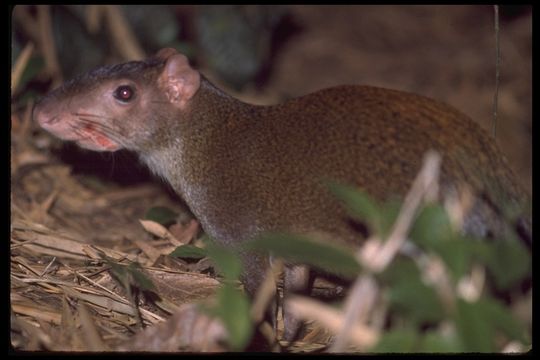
(124, 93)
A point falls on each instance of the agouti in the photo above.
(246, 169)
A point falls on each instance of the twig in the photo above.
(434, 273)
(376, 256)
(365, 289)
(26, 22)
(470, 287)
(263, 297)
(48, 266)
(497, 66)
(332, 319)
(20, 65)
(378, 260)
(93, 18)
(266, 292)
(123, 36)
(48, 48)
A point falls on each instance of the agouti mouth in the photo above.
(43, 118)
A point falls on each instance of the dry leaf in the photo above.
(185, 233)
(159, 230)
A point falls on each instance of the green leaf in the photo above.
(399, 270)
(474, 328)
(130, 275)
(226, 260)
(482, 251)
(119, 271)
(161, 215)
(510, 263)
(300, 249)
(432, 227)
(396, 341)
(502, 319)
(416, 300)
(233, 309)
(434, 342)
(189, 252)
(409, 295)
(359, 205)
(478, 322)
(140, 279)
(433, 231)
(456, 254)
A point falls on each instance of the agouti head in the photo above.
(120, 106)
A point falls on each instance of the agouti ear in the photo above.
(178, 80)
(166, 53)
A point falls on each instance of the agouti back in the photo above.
(246, 169)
